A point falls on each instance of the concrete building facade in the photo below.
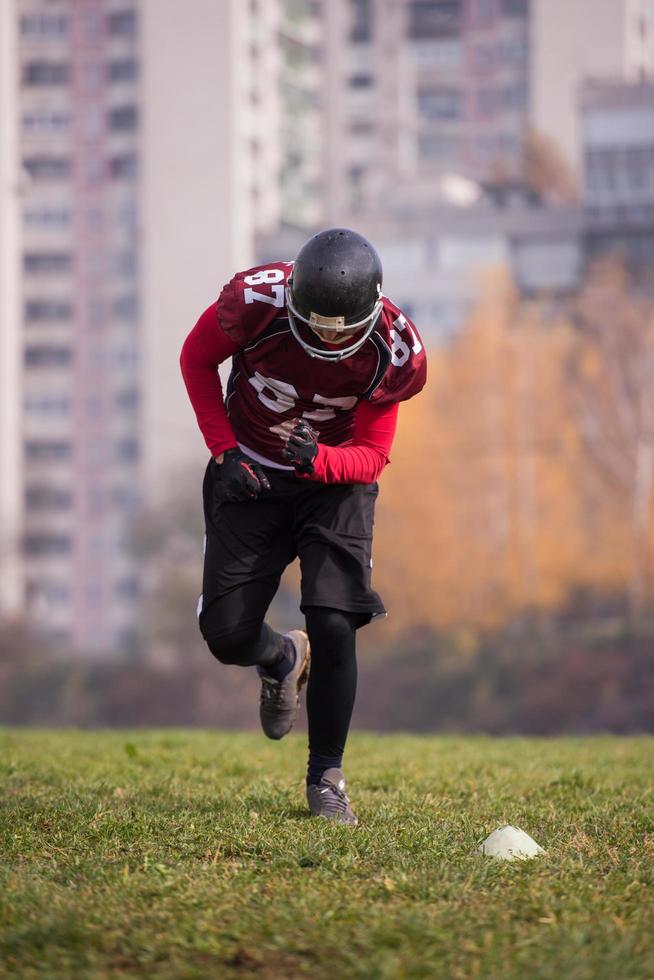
(10, 319)
(417, 89)
(577, 40)
(126, 201)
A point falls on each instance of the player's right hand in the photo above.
(239, 478)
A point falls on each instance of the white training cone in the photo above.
(510, 843)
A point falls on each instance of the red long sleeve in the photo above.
(367, 455)
(204, 349)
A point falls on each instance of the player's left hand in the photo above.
(302, 447)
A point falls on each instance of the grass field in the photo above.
(189, 854)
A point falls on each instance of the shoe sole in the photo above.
(299, 637)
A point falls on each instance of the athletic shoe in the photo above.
(327, 799)
(280, 700)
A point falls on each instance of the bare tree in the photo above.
(611, 379)
(546, 171)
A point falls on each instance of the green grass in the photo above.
(189, 854)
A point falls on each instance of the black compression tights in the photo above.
(332, 679)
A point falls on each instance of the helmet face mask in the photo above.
(334, 293)
(330, 330)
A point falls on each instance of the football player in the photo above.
(320, 361)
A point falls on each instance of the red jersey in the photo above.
(274, 381)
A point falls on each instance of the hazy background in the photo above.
(500, 154)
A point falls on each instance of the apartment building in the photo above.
(617, 124)
(414, 90)
(126, 202)
(573, 41)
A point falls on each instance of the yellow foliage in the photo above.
(491, 505)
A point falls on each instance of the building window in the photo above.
(513, 52)
(639, 162)
(125, 498)
(123, 166)
(126, 450)
(37, 450)
(515, 96)
(127, 400)
(37, 310)
(125, 70)
(357, 176)
(440, 103)
(47, 262)
(46, 544)
(48, 217)
(362, 80)
(515, 8)
(126, 215)
(47, 168)
(57, 406)
(123, 119)
(362, 21)
(45, 122)
(125, 263)
(44, 25)
(45, 73)
(122, 23)
(125, 358)
(55, 593)
(125, 308)
(433, 18)
(40, 497)
(361, 127)
(48, 356)
(593, 168)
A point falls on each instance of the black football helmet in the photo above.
(335, 291)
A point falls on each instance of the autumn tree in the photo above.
(487, 510)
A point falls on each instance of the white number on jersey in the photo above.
(280, 396)
(267, 277)
(400, 350)
(284, 395)
(322, 414)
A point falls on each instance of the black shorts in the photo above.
(328, 526)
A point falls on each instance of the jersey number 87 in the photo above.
(266, 277)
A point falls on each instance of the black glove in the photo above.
(302, 447)
(239, 478)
